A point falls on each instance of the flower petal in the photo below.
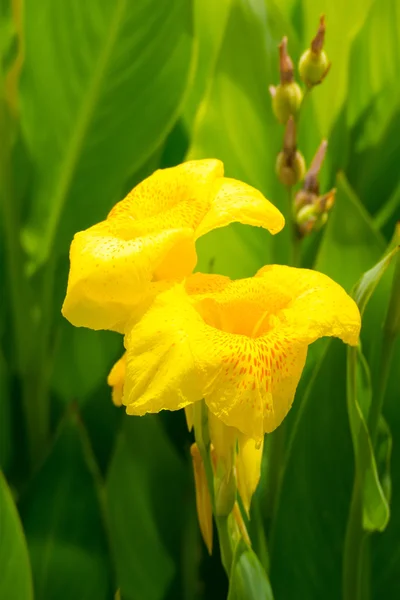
(248, 467)
(242, 347)
(235, 201)
(170, 198)
(111, 278)
(116, 379)
(161, 373)
(318, 307)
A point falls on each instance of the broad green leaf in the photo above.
(307, 536)
(101, 87)
(350, 244)
(209, 27)
(248, 579)
(373, 67)
(63, 520)
(235, 123)
(16, 578)
(145, 500)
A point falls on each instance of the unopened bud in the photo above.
(325, 203)
(290, 163)
(290, 170)
(287, 96)
(314, 63)
(225, 487)
(320, 222)
(303, 198)
(286, 101)
(305, 219)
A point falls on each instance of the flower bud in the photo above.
(286, 101)
(290, 170)
(314, 63)
(287, 96)
(313, 68)
(203, 500)
(225, 487)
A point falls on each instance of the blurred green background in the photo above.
(95, 95)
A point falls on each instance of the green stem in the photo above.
(202, 436)
(353, 546)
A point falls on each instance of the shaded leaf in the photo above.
(248, 579)
(308, 531)
(62, 516)
(16, 578)
(144, 523)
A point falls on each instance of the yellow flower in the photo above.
(148, 240)
(241, 345)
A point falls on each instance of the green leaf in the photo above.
(83, 360)
(369, 281)
(101, 88)
(373, 68)
(209, 25)
(16, 578)
(248, 579)
(235, 123)
(145, 498)
(349, 236)
(307, 536)
(385, 548)
(5, 416)
(63, 520)
(375, 504)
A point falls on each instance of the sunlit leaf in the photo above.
(107, 80)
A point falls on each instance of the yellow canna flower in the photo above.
(241, 345)
(203, 499)
(148, 240)
(116, 380)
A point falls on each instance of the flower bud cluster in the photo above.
(310, 209)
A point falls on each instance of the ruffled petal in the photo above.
(241, 347)
(235, 201)
(111, 279)
(161, 372)
(318, 305)
(189, 183)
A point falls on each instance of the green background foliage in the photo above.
(94, 96)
